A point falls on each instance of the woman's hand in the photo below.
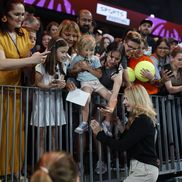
(120, 125)
(84, 65)
(106, 110)
(166, 75)
(38, 57)
(95, 126)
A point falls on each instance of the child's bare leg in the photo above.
(85, 111)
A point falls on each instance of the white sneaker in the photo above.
(107, 129)
(81, 128)
(101, 167)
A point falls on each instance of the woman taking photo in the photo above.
(138, 137)
(173, 71)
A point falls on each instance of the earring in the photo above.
(4, 19)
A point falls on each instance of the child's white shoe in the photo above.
(82, 128)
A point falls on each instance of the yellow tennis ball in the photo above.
(144, 65)
(131, 74)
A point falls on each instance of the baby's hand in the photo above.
(84, 65)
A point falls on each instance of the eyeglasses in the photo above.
(132, 48)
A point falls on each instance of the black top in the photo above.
(107, 73)
(138, 141)
(106, 77)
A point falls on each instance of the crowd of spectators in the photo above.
(88, 57)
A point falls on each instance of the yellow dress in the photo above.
(12, 131)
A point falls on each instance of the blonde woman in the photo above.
(69, 30)
(139, 135)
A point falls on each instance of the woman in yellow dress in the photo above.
(14, 50)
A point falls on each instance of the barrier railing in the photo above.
(23, 138)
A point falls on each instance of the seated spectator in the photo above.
(54, 167)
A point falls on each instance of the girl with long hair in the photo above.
(48, 104)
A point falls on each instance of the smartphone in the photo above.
(167, 67)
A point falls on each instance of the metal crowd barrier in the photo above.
(20, 139)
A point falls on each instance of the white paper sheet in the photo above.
(78, 96)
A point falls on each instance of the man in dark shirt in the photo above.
(145, 29)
